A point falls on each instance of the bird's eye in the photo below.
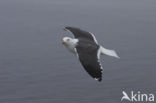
(68, 39)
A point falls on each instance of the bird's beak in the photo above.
(63, 42)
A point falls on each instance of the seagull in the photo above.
(85, 45)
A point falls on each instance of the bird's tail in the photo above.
(108, 52)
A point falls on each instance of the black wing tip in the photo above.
(70, 28)
(99, 79)
(67, 27)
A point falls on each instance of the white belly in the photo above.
(71, 49)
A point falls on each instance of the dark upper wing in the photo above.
(78, 33)
(88, 57)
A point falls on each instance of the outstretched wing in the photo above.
(78, 33)
(88, 56)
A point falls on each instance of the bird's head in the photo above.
(67, 41)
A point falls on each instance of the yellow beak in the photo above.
(63, 42)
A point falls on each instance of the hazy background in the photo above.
(36, 68)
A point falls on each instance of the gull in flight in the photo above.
(85, 45)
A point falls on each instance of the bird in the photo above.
(88, 50)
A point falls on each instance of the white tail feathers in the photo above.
(108, 52)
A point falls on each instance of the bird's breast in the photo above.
(71, 48)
